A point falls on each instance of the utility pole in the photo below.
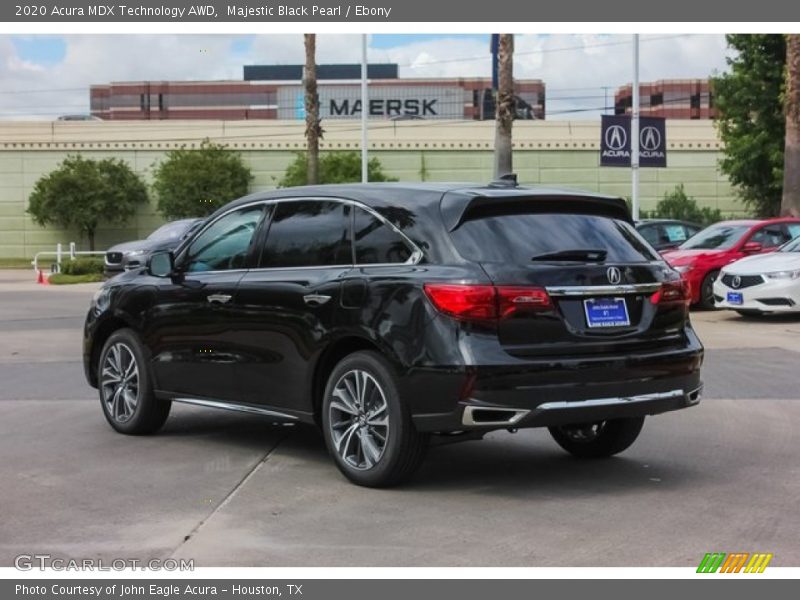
(635, 131)
(364, 111)
(505, 106)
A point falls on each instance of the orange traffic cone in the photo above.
(41, 279)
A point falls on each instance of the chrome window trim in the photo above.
(414, 259)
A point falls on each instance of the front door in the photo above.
(194, 325)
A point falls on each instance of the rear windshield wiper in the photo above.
(582, 254)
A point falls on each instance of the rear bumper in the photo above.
(560, 392)
(580, 411)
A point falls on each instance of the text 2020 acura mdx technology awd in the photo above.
(391, 315)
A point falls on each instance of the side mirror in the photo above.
(751, 247)
(161, 264)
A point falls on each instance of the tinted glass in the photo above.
(224, 245)
(308, 233)
(650, 233)
(376, 242)
(719, 237)
(516, 238)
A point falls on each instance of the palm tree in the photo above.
(505, 105)
(313, 128)
(790, 202)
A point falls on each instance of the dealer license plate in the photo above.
(606, 312)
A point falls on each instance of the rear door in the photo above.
(291, 300)
(599, 273)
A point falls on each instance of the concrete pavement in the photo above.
(228, 489)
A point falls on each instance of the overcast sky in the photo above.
(42, 77)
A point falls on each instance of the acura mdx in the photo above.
(395, 315)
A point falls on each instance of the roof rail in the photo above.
(509, 180)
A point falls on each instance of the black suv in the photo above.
(393, 315)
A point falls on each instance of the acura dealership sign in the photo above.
(615, 142)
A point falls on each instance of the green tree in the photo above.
(334, 167)
(790, 204)
(196, 182)
(751, 120)
(678, 205)
(83, 193)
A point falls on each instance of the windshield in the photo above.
(793, 246)
(716, 237)
(171, 231)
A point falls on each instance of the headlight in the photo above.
(783, 275)
(134, 253)
(683, 268)
(100, 300)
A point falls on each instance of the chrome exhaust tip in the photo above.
(487, 415)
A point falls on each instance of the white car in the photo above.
(764, 283)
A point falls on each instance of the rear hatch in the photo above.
(607, 290)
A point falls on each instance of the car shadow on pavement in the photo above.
(527, 464)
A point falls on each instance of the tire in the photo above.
(598, 440)
(128, 403)
(367, 428)
(707, 290)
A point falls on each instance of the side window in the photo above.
(376, 242)
(308, 233)
(770, 236)
(690, 231)
(650, 233)
(224, 245)
(793, 229)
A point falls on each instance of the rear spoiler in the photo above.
(458, 208)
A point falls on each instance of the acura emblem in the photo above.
(616, 138)
(650, 139)
(614, 276)
(737, 281)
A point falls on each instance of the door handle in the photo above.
(219, 298)
(315, 299)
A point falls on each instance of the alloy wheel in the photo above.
(359, 419)
(119, 382)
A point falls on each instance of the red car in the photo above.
(701, 257)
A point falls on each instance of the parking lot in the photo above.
(235, 490)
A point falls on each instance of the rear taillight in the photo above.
(672, 292)
(485, 302)
(516, 299)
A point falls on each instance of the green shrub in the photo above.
(334, 167)
(82, 266)
(678, 205)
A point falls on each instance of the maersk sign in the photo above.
(344, 102)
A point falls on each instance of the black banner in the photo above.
(615, 141)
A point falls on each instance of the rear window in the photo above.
(516, 238)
